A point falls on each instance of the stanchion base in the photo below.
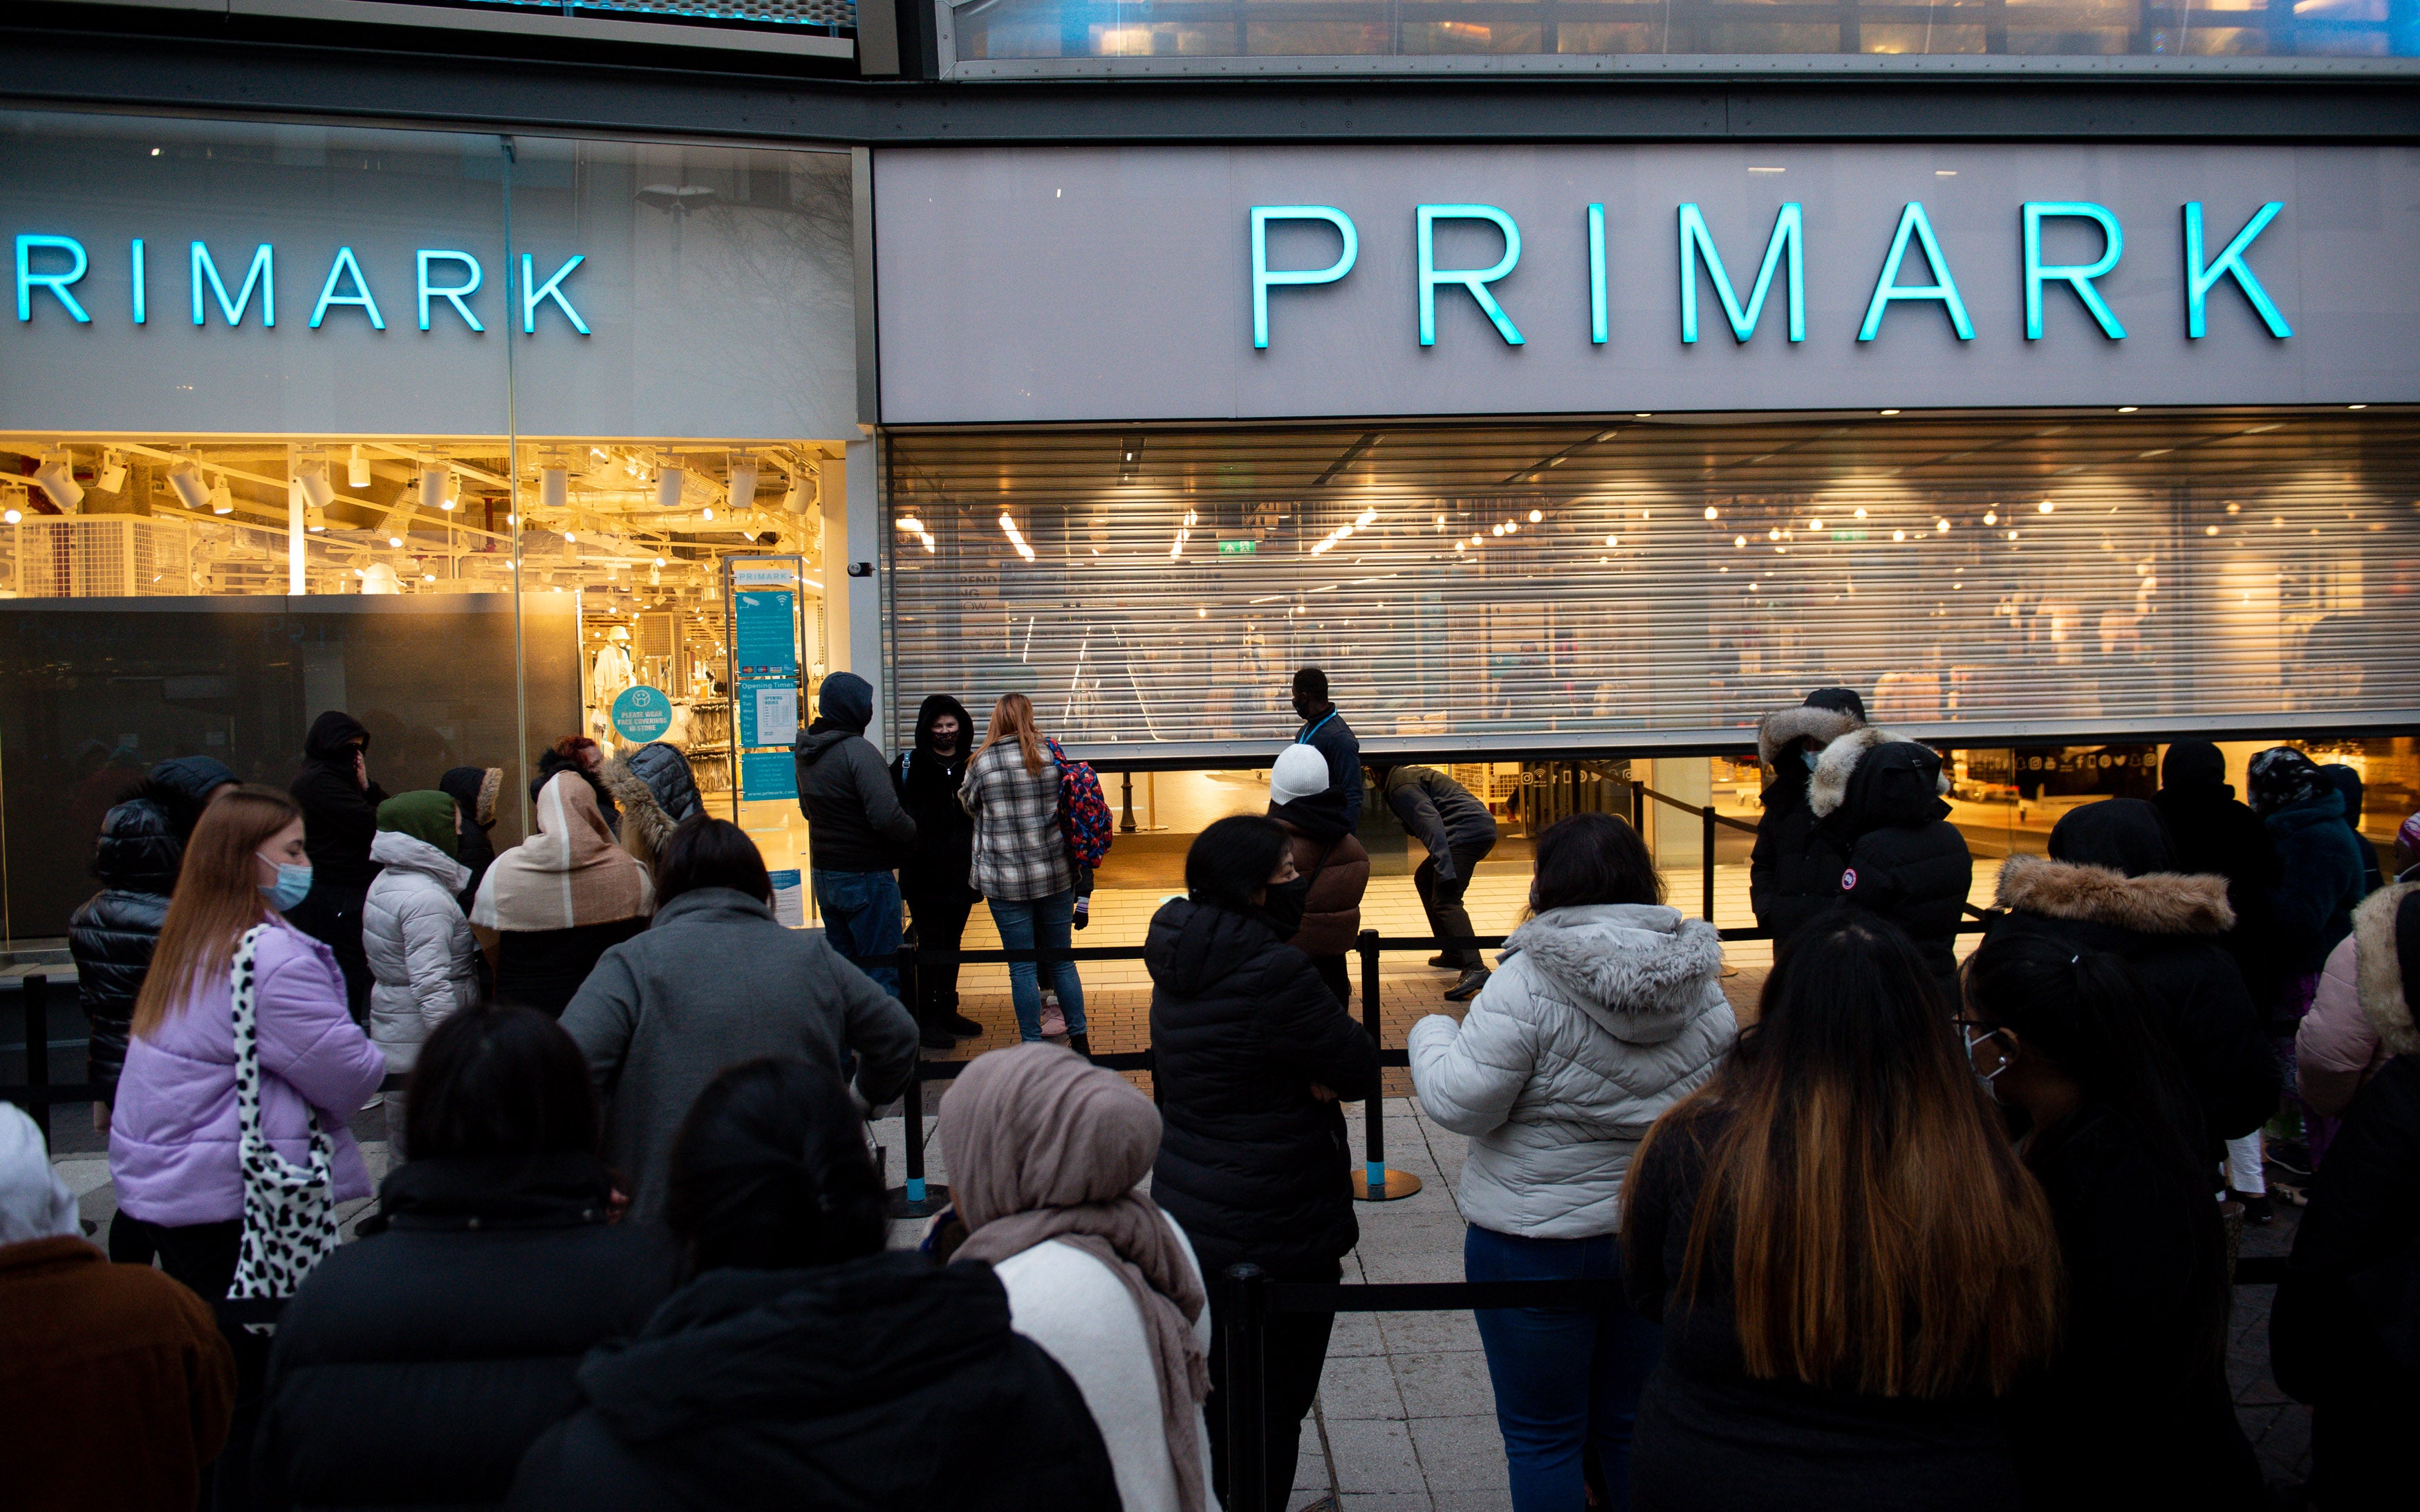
(936, 1197)
(1397, 1186)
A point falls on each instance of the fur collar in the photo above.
(1828, 787)
(2380, 970)
(2157, 902)
(1807, 721)
(1634, 959)
(643, 819)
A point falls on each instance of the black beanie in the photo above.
(1838, 699)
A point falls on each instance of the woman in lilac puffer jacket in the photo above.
(173, 1141)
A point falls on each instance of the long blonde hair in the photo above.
(218, 897)
(1014, 715)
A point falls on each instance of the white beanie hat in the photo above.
(1301, 772)
(34, 1202)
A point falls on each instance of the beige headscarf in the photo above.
(572, 872)
(1042, 1145)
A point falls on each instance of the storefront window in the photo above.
(456, 433)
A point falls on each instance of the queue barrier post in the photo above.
(1244, 1321)
(915, 1199)
(1377, 1184)
(1706, 818)
(37, 1051)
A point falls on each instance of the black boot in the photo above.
(1081, 1043)
(1468, 988)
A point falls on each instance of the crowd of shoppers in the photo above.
(1914, 1236)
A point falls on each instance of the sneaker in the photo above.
(1054, 1023)
(964, 1028)
(2258, 1213)
(2291, 1156)
(1468, 988)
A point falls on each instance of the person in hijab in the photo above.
(339, 805)
(584, 759)
(116, 1385)
(2350, 788)
(474, 790)
(560, 899)
(934, 880)
(1045, 1153)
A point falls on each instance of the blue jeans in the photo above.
(1040, 924)
(1565, 1377)
(861, 919)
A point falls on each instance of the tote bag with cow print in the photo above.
(290, 1212)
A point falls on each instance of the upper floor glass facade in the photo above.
(1593, 33)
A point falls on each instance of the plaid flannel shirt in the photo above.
(1020, 851)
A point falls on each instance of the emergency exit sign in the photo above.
(1239, 549)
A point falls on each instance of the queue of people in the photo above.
(1915, 1235)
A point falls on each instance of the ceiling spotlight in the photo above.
(570, 537)
(1496, 529)
(1890, 411)
(1711, 513)
(1512, 527)
(708, 513)
(111, 476)
(799, 496)
(1991, 516)
(315, 520)
(357, 468)
(1861, 511)
(1535, 515)
(554, 488)
(222, 497)
(311, 479)
(1739, 541)
(1814, 524)
(453, 499)
(2128, 409)
(395, 540)
(669, 477)
(1898, 536)
(743, 481)
(2045, 506)
(185, 476)
(433, 487)
(12, 515)
(1941, 527)
(1613, 540)
(57, 475)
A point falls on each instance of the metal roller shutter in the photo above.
(1647, 583)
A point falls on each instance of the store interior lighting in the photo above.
(111, 476)
(357, 469)
(554, 488)
(222, 497)
(743, 481)
(669, 477)
(432, 488)
(311, 477)
(57, 475)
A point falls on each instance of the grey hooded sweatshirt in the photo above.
(1598, 1018)
(855, 822)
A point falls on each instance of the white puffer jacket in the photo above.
(420, 947)
(1597, 1019)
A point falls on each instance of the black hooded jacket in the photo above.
(2113, 884)
(2351, 788)
(1251, 1164)
(2215, 835)
(855, 822)
(944, 855)
(1877, 803)
(1324, 730)
(477, 848)
(112, 934)
(416, 1366)
(881, 1384)
(339, 816)
(2347, 1328)
(1794, 874)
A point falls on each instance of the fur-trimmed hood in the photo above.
(645, 825)
(2380, 965)
(1828, 788)
(2157, 902)
(1640, 969)
(1806, 722)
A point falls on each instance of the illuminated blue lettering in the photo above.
(134, 265)
(1264, 280)
(1789, 240)
(1912, 223)
(2200, 280)
(453, 295)
(261, 273)
(57, 283)
(343, 265)
(1596, 274)
(551, 289)
(2078, 276)
(1474, 279)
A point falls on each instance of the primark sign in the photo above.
(1274, 282)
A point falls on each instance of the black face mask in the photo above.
(1284, 908)
(1304, 705)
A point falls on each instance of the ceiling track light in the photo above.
(357, 468)
(311, 478)
(222, 497)
(55, 474)
(185, 477)
(111, 475)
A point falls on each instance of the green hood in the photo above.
(427, 816)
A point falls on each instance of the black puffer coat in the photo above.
(1877, 801)
(944, 853)
(882, 1384)
(111, 933)
(2213, 833)
(1794, 874)
(666, 772)
(339, 816)
(2112, 885)
(1250, 1163)
(416, 1366)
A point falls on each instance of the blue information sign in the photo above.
(764, 633)
(641, 714)
(768, 774)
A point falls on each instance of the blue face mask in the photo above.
(293, 885)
